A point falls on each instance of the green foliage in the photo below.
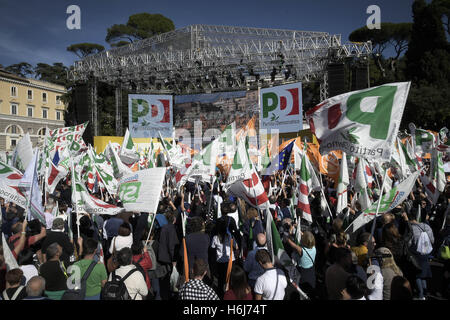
(56, 73)
(428, 59)
(120, 44)
(427, 106)
(23, 69)
(85, 49)
(139, 26)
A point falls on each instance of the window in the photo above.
(13, 143)
(14, 109)
(44, 113)
(30, 111)
(44, 97)
(41, 132)
(13, 129)
(30, 94)
(13, 91)
(58, 100)
(58, 115)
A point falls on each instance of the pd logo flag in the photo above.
(281, 108)
(140, 191)
(149, 114)
(361, 123)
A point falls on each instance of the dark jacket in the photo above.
(63, 240)
(168, 241)
(197, 245)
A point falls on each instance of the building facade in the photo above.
(28, 105)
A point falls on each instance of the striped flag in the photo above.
(10, 261)
(128, 153)
(342, 185)
(274, 244)
(304, 189)
(361, 184)
(250, 189)
(389, 201)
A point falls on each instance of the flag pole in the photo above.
(370, 246)
(211, 196)
(323, 194)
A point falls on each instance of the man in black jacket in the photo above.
(167, 251)
(57, 235)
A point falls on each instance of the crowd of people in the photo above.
(116, 257)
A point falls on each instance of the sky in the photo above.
(35, 31)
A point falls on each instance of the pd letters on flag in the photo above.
(361, 123)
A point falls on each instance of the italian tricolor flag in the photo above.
(304, 188)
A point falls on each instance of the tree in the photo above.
(396, 35)
(428, 67)
(428, 59)
(139, 26)
(443, 7)
(83, 50)
(22, 69)
(56, 73)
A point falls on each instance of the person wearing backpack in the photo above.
(15, 289)
(97, 277)
(126, 282)
(142, 260)
(421, 245)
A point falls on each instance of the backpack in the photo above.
(444, 250)
(116, 288)
(79, 294)
(139, 267)
(15, 295)
(424, 245)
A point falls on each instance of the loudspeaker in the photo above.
(359, 78)
(82, 109)
(336, 79)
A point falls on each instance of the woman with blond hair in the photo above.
(389, 270)
(305, 255)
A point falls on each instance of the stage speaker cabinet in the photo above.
(82, 112)
(359, 78)
(336, 79)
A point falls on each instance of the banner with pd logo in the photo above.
(140, 191)
(281, 108)
(149, 114)
(361, 123)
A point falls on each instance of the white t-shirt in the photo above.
(219, 201)
(48, 220)
(377, 290)
(267, 282)
(29, 271)
(235, 216)
(121, 242)
(135, 283)
(219, 246)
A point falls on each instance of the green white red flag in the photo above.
(389, 201)
(9, 185)
(361, 123)
(344, 181)
(304, 190)
(85, 202)
(128, 153)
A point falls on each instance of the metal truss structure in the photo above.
(206, 58)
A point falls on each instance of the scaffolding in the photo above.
(206, 58)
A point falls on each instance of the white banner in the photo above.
(149, 114)
(361, 123)
(140, 191)
(281, 108)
